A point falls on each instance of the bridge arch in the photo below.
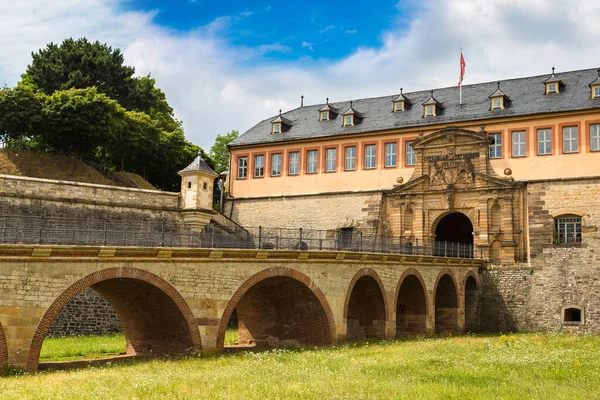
(3, 347)
(365, 307)
(156, 319)
(270, 293)
(411, 304)
(446, 302)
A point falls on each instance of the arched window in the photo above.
(572, 315)
(567, 229)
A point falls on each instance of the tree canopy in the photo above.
(219, 153)
(78, 98)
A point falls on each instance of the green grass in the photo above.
(81, 347)
(231, 336)
(522, 366)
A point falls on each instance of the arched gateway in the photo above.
(454, 236)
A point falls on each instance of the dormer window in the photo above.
(595, 86)
(280, 123)
(348, 120)
(350, 116)
(553, 84)
(498, 99)
(430, 111)
(497, 103)
(431, 107)
(277, 127)
(400, 102)
(324, 116)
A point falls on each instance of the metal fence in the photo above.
(106, 232)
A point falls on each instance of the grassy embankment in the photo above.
(475, 367)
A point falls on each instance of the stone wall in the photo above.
(360, 210)
(87, 313)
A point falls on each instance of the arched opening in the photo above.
(454, 236)
(411, 307)
(365, 310)
(155, 318)
(3, 348)
(471, 301)
(495, 252)
(279, 311)
(446, 306)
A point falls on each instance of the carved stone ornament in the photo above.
(452, 172)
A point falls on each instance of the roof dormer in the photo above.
(431, 107)
(400, 102)
(595, 86)
(327, 112)
(553, 84)
(498, 99)
(280, 124)
(351, 116)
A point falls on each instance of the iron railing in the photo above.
(107, 232)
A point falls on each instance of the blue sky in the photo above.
(228, 65)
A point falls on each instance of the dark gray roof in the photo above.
(596, 81)
(199, 165)
(401, 97)
(498, 93)
(527, 97)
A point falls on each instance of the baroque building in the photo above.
(513, 173)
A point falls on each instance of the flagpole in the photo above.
(460, 95)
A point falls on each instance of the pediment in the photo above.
(452, 135)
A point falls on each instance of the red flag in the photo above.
(463, 64)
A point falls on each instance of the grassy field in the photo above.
(79, 347)
(519, 366)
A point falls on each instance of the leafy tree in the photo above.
(20, 112)
(80, 120)
(219, 151)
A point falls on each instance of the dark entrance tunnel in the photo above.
(411, 308)
(366, 311)
(446, 306)
(454, 236)
(281, 312)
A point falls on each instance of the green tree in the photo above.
(79, 120)
(20, 113)
(219, 152)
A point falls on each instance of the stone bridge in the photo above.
(173, 300)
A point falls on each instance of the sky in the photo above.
(228, 65)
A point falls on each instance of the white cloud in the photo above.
(215, 86)
(308, 45)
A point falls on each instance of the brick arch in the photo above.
(3, 347)
(273, 273)
(447, 320)
(141, 278)
(418, 324)
(369, 320)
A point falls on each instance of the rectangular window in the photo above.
(311, 162)
(294, 163)
(276, 165)
(596, 91)
(276, 128)
(570, 139)
(330, 160)
(567, 230)
(324, 115)
(429, 111)
(595, 137)
(348, 120)
(410, 154)
(242, 167)
(350, 161)
(496, 145)
(370, 156)
(390, 155)
(551, 87)
(259, 166)
(519, 144)
(544, 141)
(496, 103)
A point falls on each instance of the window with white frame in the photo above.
(552, 87)
(544, 141)
(311, 162)
(277, 127)
(567, 229)
(370, 156)
(496, 103)
(595, 137)
(259, 166)
(350, 159)
(324, 115)
(496, 145)
(519, 144)
(411, 158)
(330, 160)
(570, 139)
(390, 155)
(276, 165)
(398, 106)
(429, 111)
(348, 120)
(242, 167)
(596, 91)
(294, 163)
